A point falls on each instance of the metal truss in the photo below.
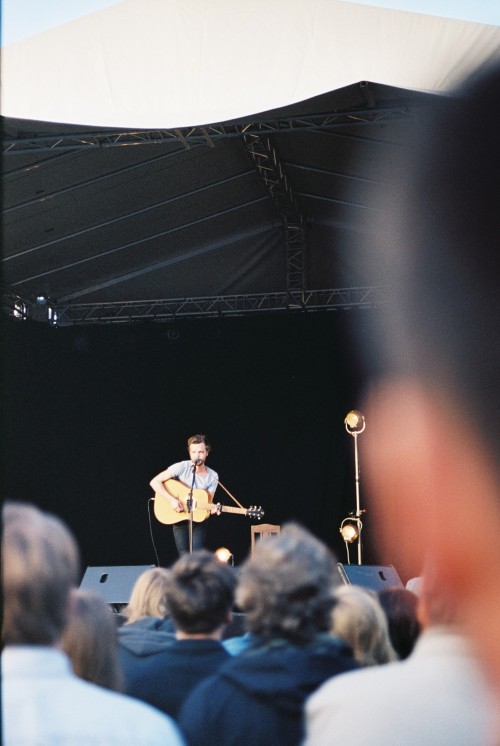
(198, 307)
(31, 142)
(272, 173)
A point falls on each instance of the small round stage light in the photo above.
(354, 422)
(349, 528)
(224, 555)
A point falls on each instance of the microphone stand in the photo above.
(190, 507)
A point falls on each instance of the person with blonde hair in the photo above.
(147, 631)
(43, 701)
(148, 596)
(359, 620)
(90, 640)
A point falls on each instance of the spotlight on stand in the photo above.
(224, 555)
(354, 422)
(350, 528)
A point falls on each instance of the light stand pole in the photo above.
(354, 424)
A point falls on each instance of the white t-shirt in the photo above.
(183, 471)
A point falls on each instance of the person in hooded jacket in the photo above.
(164, 657)
(148, 628)
(286, 592)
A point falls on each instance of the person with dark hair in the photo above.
(190, 475)
(256, 698)
(198, 593)
(43, 701)
(400, 607)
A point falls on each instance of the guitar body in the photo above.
(165, 513)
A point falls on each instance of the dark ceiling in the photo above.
(225, 218)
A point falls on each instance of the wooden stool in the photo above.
(262, 531)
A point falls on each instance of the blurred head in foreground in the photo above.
(433, 416)
(40, 565)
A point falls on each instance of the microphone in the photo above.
(198, 461)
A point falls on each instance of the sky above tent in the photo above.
(21, 20)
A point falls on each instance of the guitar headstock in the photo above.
(255, 512)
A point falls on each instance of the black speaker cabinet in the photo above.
(114, 584)
(374, 577)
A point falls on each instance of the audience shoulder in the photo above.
(143, 723)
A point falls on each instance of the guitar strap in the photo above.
(231, 496)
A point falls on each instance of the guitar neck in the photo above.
(223, 508)
(230, 509)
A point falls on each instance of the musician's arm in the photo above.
(158, 487)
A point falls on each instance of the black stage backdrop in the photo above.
(92, 413)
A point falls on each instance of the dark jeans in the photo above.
(181, 536)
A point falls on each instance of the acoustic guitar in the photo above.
(202, 502)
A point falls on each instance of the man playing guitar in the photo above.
(192, 473)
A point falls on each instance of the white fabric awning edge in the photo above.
(161, 64)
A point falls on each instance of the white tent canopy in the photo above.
(162, 64)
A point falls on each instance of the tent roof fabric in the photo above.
(190, 215)
(185, 165)
(171, 63)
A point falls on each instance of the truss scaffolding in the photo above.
(195, 307)
(32, 142)
(272, 172)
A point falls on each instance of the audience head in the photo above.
(400, 607)
(200, 593)
(40, 565)
(90, 640)
(286, 588)
(148, 597)
(433, 422)
(359, 620)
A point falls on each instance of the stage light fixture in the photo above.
(349, 529)
(354, 422)
(224, 555)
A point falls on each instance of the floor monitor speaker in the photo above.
(114, 584)
(375, 577)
